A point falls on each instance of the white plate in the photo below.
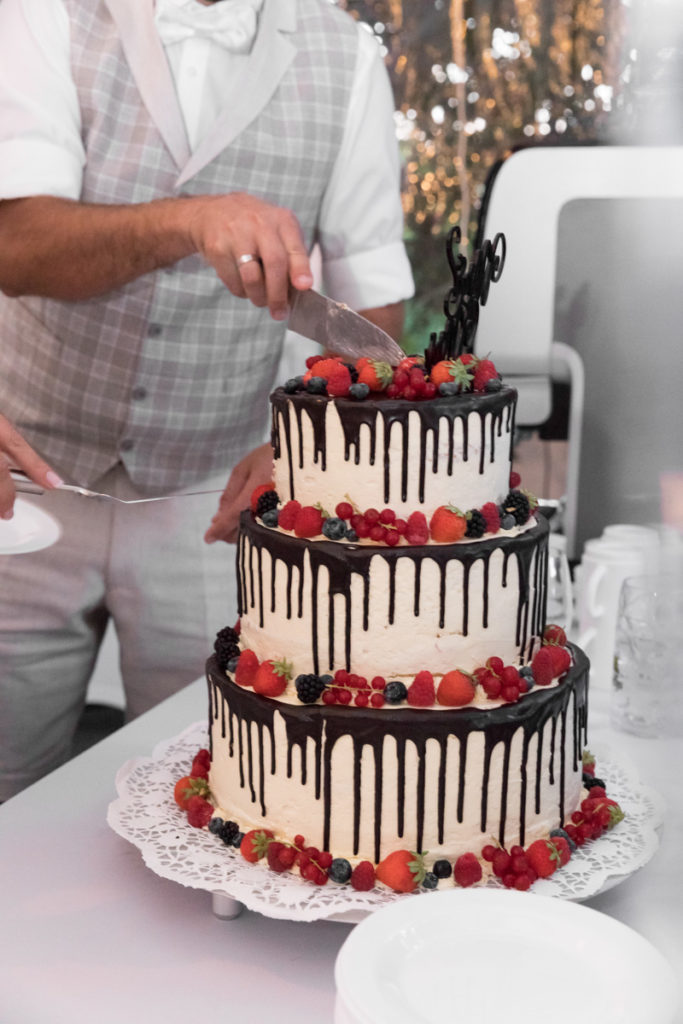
(483, 955)
(30, 529)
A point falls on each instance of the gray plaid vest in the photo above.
(171, 373)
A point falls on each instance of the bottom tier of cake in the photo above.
(361, 782)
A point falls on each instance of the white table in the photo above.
(89, 934)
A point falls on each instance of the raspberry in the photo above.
(308, 522)
(199, 811)
(491, 517)
(288, 514)
(417, 531)
(515, 479)
(484, 372)
(363, 876)
(339, 382)
(421, 693)
(312, 360)
(543, 667)
(467, 870)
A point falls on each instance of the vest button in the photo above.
(127, 444)
(138, 393)
(154, 330)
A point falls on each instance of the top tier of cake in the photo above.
(383, 452)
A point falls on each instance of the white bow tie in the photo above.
(231, 23)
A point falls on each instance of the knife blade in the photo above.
(339, 329)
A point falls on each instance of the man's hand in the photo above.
(254, 469)
(15, 451)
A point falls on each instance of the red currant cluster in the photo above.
(347, 687)
(513, 868)
(312, 862)
(410, 382)
(382, 527)
(500, 681)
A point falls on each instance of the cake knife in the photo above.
(339, 329)
(23, 484)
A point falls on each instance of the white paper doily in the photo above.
(146, 814)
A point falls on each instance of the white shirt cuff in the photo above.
(367, 280)
(29, 167)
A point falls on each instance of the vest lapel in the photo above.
(149, 66)
(271, 55)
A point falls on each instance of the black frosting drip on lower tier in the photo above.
(342, 561)
(497, 406)
(250, 716)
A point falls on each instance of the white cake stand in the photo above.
(146, 815)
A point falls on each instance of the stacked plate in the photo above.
(484, 955)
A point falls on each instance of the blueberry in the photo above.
(327, 679)
(351, 534)
(449, 387)
(334, 529)
(232, 664)
(359, 391)
(442, 868)
(270, 517)
(395, 692)
(215, 825)
(430, 881)
(237, 841)
(317, 386)
(561, 832)
(293, 385)
(494, 384)
(339, 870)
(508, 522)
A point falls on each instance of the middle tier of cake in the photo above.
(391, 612)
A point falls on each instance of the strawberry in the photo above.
(272, 677)
(375, 374)
(255, 844)
(588, 762)
(408, 362)
(421, 690)
(308, 522)
(467, 870)
(484, 372)
(199, 811)
(563, 848)
(417, 531)
(257, 492)
(455, 689)
(339, 382)
(553, 634)
(288, 514)
(447, 525)
(442, 373)
(246, 670)
(188, 787)
(402, 870)
(363, 876)
(561, 658)
(544, 857)
(543, 667)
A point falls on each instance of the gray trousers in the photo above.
(144, 566)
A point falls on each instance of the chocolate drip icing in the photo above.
(439, 414)
(344, 561)
(325, 726)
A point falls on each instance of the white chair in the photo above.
(590, 294)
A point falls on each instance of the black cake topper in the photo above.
(468, 292)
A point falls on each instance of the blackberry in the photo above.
(237, 841)
(589, 781)
(317, 386)
(339, 870)
(476, 524)
(333, 528)
(359, 392)
(395, 692)
(270, 517)
(430, 880)
(442, 868)
(266, 502)
(517, 505)
(309, 688)
(226, 646)
(228, 832)
(293, 385)
(352, 370)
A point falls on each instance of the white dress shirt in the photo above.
(41, 151)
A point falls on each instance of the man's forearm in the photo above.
(67, 250)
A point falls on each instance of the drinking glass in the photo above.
(646, 677)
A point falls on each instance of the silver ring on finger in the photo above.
(247, 257)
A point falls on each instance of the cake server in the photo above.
(25, 485)
(339, 329)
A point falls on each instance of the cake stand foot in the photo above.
(225, 907)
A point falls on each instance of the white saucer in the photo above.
(30, 529)
(484, 955)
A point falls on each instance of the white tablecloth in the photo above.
(88, 933)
